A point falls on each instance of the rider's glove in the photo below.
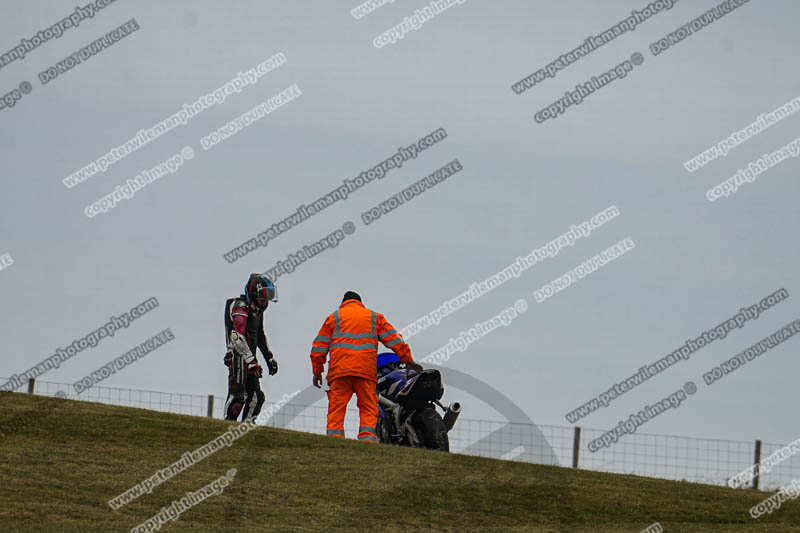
(416, 367)
(255, 369)
(227, 359)
(272, 365)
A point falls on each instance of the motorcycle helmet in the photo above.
(260, 290)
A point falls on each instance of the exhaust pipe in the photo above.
(451, 415)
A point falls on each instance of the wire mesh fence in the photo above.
(782, 474)
(186, 404)
(711, 461)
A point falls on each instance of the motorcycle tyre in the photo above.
(432, 431)
(382, 431)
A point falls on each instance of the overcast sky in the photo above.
(523, 183)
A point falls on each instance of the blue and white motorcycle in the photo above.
(407, 402)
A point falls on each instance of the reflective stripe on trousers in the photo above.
(341, 390)
(368, 434)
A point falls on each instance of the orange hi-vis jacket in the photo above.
(351, 334)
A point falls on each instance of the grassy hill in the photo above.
(63, 460)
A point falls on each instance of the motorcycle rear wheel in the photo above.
(383, 431)
(431, 430)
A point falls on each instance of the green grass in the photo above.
(61, 467)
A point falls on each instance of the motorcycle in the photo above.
(407, 402)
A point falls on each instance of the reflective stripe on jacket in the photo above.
(351, 335)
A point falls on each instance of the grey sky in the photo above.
(695, 262)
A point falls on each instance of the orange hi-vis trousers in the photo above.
(341, 390)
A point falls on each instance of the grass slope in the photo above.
(67, 459)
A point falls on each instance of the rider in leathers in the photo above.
(244, 330)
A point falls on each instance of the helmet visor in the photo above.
(271, 289)
(265, 295)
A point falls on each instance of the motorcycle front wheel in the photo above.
(431, 430)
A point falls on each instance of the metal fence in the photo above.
(711, 461)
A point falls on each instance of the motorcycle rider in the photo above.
(351, 334)
(244, 330)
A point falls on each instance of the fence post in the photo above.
(756, 461)
(31, 382)
(576, 446)
(210, 406)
